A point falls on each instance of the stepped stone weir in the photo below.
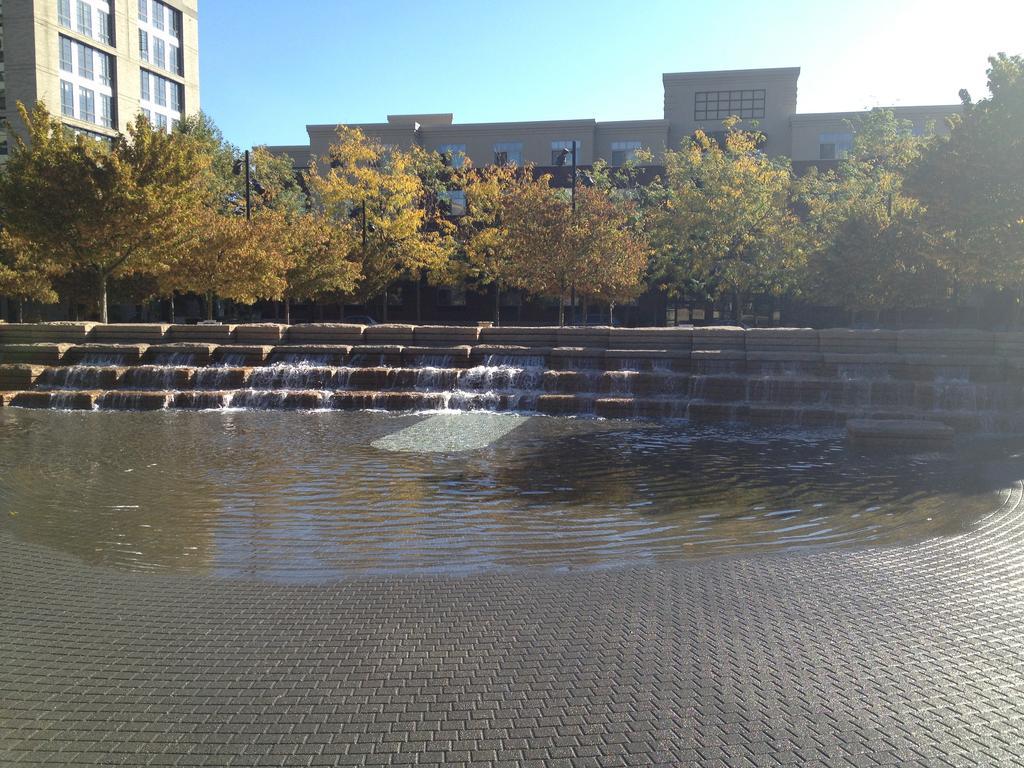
(968, 380)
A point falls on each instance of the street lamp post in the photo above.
(561, 162)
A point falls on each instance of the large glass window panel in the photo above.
(558, 146)
(105, 69)
(87, 104)
(144, 86)
(67, 99)
(64, 13)
(143, 10)
(455, 152)
(103, 26)
(106, 111)
(159, 53)
(66, 63)
(508, 153)
(624, 151)
(85, 18)
(85, 61)
(144, 45)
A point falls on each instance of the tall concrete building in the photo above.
(766, 98)
(98, 63)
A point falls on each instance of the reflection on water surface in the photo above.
(317, 495)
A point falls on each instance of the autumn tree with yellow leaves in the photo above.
(380, 196)
(726, 225)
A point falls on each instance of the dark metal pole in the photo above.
(572, 296)
(248, 188)
(574, 177)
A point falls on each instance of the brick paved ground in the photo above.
(909, 657)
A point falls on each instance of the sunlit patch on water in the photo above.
(312, 496)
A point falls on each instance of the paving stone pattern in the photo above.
(900, 657)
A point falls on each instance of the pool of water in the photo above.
(311, 496)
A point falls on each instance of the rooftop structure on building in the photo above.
(99, 63)
(765, 99)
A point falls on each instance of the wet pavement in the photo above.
(907, 655)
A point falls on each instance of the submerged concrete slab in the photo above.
(899, 432)
(452, 433)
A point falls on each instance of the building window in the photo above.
(456, 154)
(106, 111)
(64, 13)
(454, 202)
(105, 78)
(143, 10)
(176, 99)
(66, 64)
(85, 62)
(624, 151)
(103, 20)
(144, 45)
(158, 16)
(718, 105)
(84, 18)
(508, 153)
(87, 104)
(159, 91)
(558, 146)
(148, 114)
(144, 83)
(174, 22)
(159, 53)
(161, 121)
(834, 146)
(174, 60)
(67, 99)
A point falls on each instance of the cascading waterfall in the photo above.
(717, 385)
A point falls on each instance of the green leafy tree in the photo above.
(26, 273)
(727, 225)
(110, 210)
(972, 185)
(869, 247)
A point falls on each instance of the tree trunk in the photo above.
(21, 310)
(209, 305)
(611, 314)
(104, 318)
(170, 308)
(419, 299)
(384, 308)
(561, 310)
(287, 311)
(497, 303)
(585, 307)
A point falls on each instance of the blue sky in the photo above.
(267, 73)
